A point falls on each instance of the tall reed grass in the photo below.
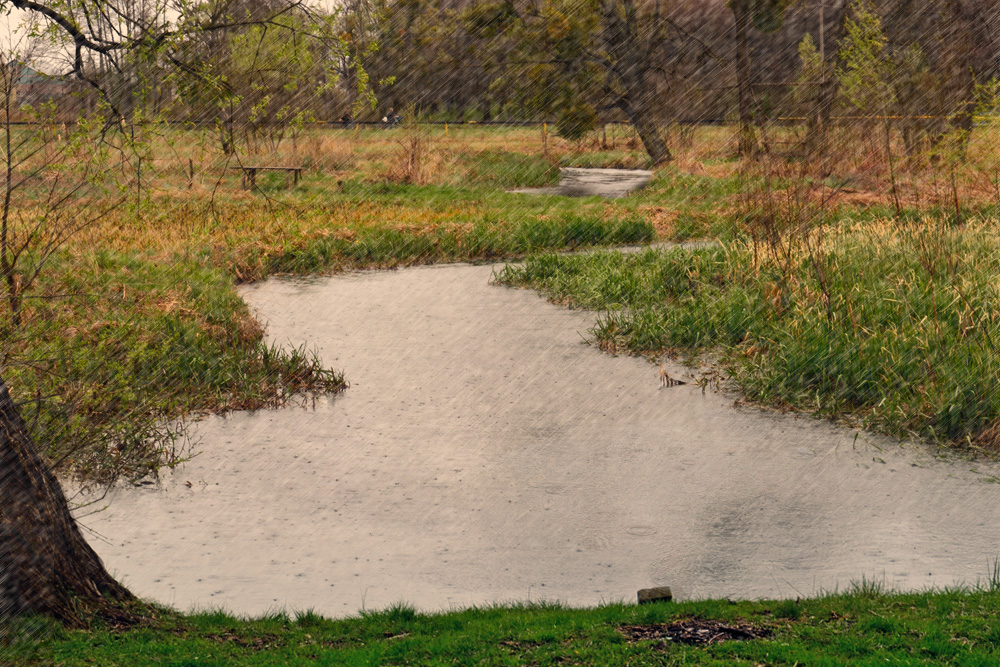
(895, 324)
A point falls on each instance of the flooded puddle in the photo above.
(484, 454)
(610, 183)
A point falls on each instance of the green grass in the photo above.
(607, 159)
(118, 346)
(698, 204)
(864, 627)
(503, 169)
(481, 193)
(897, 325)
(485, 238)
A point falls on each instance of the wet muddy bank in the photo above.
(484, 453)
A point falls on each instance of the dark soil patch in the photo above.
(343, 644)
(519, 645)
(695, 632)
(255, 643)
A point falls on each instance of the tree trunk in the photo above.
(829, 88)
(629, 63)
(46, 566)
(960, 39)
(486, 109)
(747, 138)
(649, 134)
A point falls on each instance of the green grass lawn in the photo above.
(864, 627)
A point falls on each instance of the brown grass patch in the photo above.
(988, 439)
(261, 642)
(663, 220)
(695, 632)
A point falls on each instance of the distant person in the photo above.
(391, 118)
(346, 119)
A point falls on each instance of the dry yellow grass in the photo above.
(197, 200)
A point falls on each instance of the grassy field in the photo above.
(135, 321)
(864, 627)
(893, 325)
(818, 296)
(831, 293)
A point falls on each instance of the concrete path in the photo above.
(485, 453)
(610, 183)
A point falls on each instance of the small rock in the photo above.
(658, 594)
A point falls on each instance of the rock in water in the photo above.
(658, 594)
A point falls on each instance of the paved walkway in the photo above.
(610, 183)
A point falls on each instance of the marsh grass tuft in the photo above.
(124, 347)
(137, 346)
(894, 324)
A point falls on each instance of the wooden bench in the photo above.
(250, 174)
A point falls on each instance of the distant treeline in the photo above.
(931, 63)
(466, 60)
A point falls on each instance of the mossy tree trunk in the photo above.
(627, 61)
(960, 39)
(46, 566)
(650, 135)
(747, 136)
(829, 86)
